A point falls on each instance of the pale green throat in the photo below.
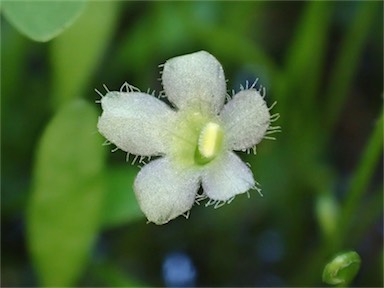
(209, 143)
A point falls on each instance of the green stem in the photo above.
(368, 215)
(359, 183)
(363, 174)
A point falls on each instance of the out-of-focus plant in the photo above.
(76, 194)
(67, 196)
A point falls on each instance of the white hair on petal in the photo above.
(186, 214)
(127, 88)
(106, 88)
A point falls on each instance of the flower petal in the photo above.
(227, 177)
(164, 192)
(195, 80)
(246, 118)
(136, 122)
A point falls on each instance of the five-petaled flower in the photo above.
(194, 139)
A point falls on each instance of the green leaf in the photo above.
(67, 197)
(362, 176)
(78, 51)
(42, 20)
(344, 70)
(121, 205)
(305, 60)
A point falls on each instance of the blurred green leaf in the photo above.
(13, 56)
(362, 176)
(327, 212)
(78, 51)
(369, 213)
(160, 31)
(348, 58)
(304, 64)
(120, 202)
(245, 50)
(66, 202)
(358, 186)
(42, 20)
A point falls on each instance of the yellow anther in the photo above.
(210, 142)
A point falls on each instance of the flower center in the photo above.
(209, 143)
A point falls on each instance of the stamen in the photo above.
(208, 139)
(209, 143)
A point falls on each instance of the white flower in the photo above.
(195, 139)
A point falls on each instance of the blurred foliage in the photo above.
(70, 218)
(66, 201)
(42, 20)
(72, 71)
(120, 205)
